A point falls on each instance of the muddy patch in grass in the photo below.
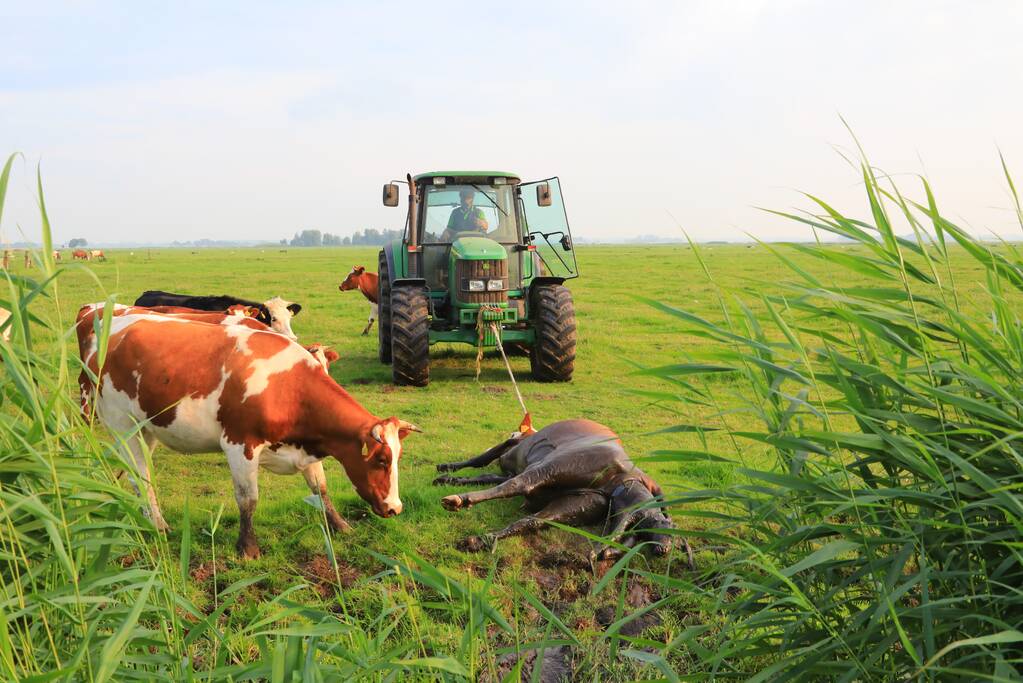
(555, 666)
(638, 595)
(319, 572)
(204, 571)
(494, 390)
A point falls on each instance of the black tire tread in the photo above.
(383, 309)
(410, 337)
(552, 357)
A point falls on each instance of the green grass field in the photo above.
(617, 333)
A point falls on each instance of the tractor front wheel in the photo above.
(383, 309)
(410, 337)
(552, 357)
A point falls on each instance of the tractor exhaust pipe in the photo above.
(413, 236)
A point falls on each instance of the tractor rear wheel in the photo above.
(384, 309)
(552, 357)
(410, 337)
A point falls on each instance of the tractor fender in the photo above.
(409, 282)
(546, 280)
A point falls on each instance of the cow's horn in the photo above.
(377, 432)
(408, 426)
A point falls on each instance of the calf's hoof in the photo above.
(444, 467)
(474, 544)
(453, 502)
(248, 549)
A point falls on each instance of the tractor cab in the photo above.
(477, 246)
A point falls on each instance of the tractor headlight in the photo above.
(477, 285)
(495, 285)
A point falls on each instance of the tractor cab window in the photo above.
(453, 211)
(466, 210)
(547, 232)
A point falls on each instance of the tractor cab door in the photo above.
(545, 229)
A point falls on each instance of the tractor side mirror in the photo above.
(543, 194)
(390, 194)
(566, 243)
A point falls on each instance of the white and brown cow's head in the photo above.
(280, 312)
(375, 473)
(324, 355)
(352, 281)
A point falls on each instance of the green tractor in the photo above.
(478, 248)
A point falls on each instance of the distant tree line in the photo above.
(368, 237)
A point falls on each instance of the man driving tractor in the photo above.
(465, 217)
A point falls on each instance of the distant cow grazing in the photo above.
(28, 258)
(56, 255)
(366, 283)
(97, 254)
(80, 255)
(5, 262)
(256, 395)
(275, 313)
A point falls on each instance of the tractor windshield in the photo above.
(453, 211)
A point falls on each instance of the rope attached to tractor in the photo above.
(481, 330)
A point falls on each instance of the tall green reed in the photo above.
(886, 541)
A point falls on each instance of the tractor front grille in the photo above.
(491, 269)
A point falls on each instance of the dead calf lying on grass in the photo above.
(571, 472)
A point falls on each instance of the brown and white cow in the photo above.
(366, 283)
(80, 255)
(254, 394)
(56, 255)
(4, 317)
(98, 254)
(275, 312)
(235, 315)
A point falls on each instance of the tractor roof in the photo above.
(471, 176)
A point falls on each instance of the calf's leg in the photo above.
(482, 460)
(575, 509)
(317, 482)
(472, 481)
(245, 475)
(519, 485)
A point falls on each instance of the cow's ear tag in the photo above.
(365, 450)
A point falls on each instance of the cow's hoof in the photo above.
(248, 550)
(453, 502)
(444, 467)
(339, 525)
(475, 544)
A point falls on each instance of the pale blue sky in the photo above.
(253, 120)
